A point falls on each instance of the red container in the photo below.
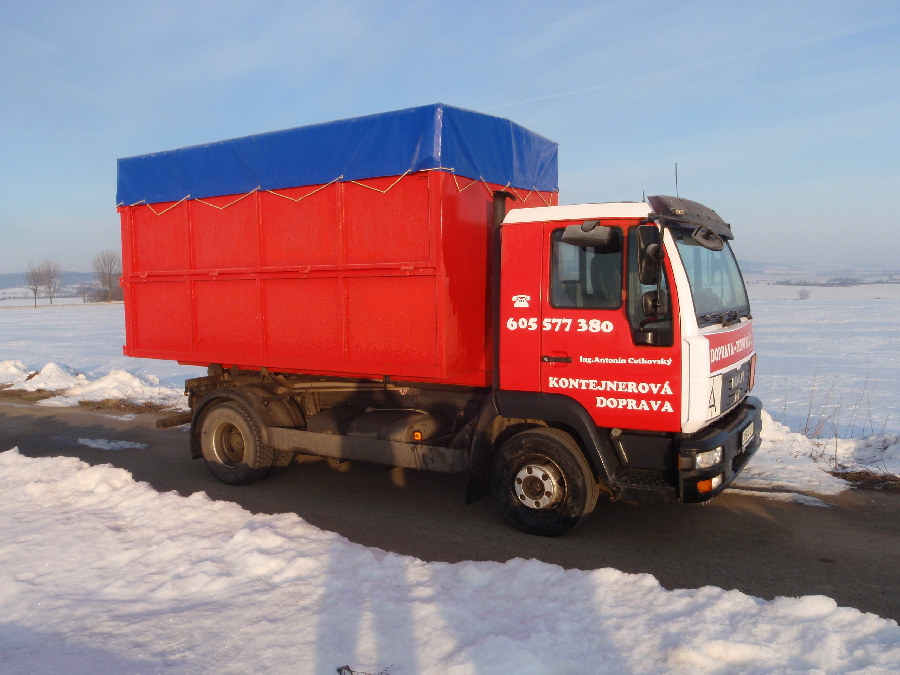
(379, 277)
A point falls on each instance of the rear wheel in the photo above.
(543, 483)
(283, 459)
(232, 444)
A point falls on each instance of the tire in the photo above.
(543, 483)
(283, 459)
(232, 445)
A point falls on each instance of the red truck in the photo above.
(404, 288)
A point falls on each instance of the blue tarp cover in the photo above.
(436, 136)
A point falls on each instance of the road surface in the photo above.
(762, 547)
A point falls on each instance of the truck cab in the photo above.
(634, 316)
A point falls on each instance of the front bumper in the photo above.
(664, 468)
(738, 436)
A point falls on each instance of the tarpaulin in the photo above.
(438, 136)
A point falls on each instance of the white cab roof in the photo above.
(579, 212)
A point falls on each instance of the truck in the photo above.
(404, 288)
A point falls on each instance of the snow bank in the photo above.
(76, 387)
(12, 372)
(52, 377)
(879, 454)
(787, 461)
(791, 461)
(121, 385)
(88, 338)
(101, 572)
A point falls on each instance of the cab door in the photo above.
(588, 349)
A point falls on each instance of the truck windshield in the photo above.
(716, 283)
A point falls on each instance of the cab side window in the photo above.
(586, 277)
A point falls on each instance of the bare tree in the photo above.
(107, 270)
(86, 291)
(33, 280)
(51, 277)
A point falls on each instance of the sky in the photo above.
(782, 116)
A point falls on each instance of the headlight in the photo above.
(705, 460)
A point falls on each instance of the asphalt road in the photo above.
(759, 546)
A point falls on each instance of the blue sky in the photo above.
(782, 116)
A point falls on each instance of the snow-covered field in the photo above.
(21, 297)
(99, 573)
(831, 363)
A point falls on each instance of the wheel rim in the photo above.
(228, 444)
(539, 484)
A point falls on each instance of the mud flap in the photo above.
(478, 472)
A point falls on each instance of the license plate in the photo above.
(746, 436)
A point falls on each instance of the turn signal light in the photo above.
(417, 436)
(710, 484)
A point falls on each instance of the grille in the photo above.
(632, 477)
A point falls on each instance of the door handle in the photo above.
(556, 359)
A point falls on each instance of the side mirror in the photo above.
(708, 239)
(655, 303)
(650, 254)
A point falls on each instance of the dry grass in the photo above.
(30, 396)
(118, 404)
(872, 480)
(124, 404)
(826, 420)
(827, 417)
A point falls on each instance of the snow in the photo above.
(103, 444)
(76, 351)
(23, 297)
(100, 573)
(784, 461)
(793, 497)
(91, 582)
(829, 365)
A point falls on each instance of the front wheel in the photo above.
(232, 444)
(542, 482)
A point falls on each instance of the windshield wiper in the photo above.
(727, 318)
(731, 317)
(711, 317)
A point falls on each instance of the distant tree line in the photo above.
(836, 281)
(47, 276)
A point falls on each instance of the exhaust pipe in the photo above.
(500, 197)
(174, 420)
